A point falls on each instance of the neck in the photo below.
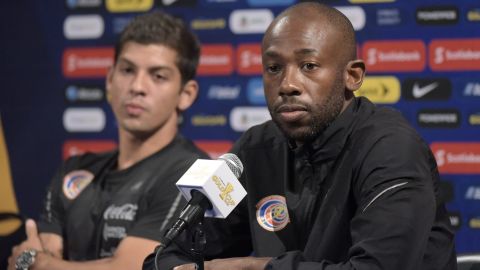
(134, 148)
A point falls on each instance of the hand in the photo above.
(241, 263)
(32, 242)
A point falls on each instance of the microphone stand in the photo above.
(199, 243)
(192, 214)
(197, 250)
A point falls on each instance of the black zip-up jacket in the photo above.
(363, 195)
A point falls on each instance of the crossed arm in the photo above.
(129, 254)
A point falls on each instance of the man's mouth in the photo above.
(134, 109)
(291, 112)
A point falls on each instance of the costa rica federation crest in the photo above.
(75, 181)
(272, 213)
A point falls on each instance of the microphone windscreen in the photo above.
(234, 163)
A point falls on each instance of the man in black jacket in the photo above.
(333, 181)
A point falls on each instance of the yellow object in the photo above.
(129, 5)
(8, 203)
(380, 89)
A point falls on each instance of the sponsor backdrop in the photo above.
(423, 58)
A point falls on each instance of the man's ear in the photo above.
(354, 74)
(108, 84)
(187, 95)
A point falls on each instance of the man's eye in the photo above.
(160, 77)
(273, 68)
(309, 66)
(126, 70)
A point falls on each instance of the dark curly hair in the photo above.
(160, 28)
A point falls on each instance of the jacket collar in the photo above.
(331, 141)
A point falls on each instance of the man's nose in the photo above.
(290, 84)
(138, 84)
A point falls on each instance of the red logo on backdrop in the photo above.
(394, 55)
(454, 54)
(78, 147)
(87, 62)
(216, 60)
(249, 59)
(457, 157)
(214, 148)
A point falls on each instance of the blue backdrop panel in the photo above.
(423, 58)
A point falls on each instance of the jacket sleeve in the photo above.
(52, 214)
(396, 211)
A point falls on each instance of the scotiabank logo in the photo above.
(457, 157)
(78, 147)
(249, 59)
(128, 5)
(454, 54)
(216, 60)
(214, 148)
(380, 89)
(394, 55)
(87, 62)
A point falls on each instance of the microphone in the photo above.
(213, 190)
(217, 180)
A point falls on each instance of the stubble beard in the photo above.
(321, 116)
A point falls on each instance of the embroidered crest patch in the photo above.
(272, 213)
(75, 181)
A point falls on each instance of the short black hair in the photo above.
(161, 28)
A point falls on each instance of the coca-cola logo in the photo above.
(122, 212)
